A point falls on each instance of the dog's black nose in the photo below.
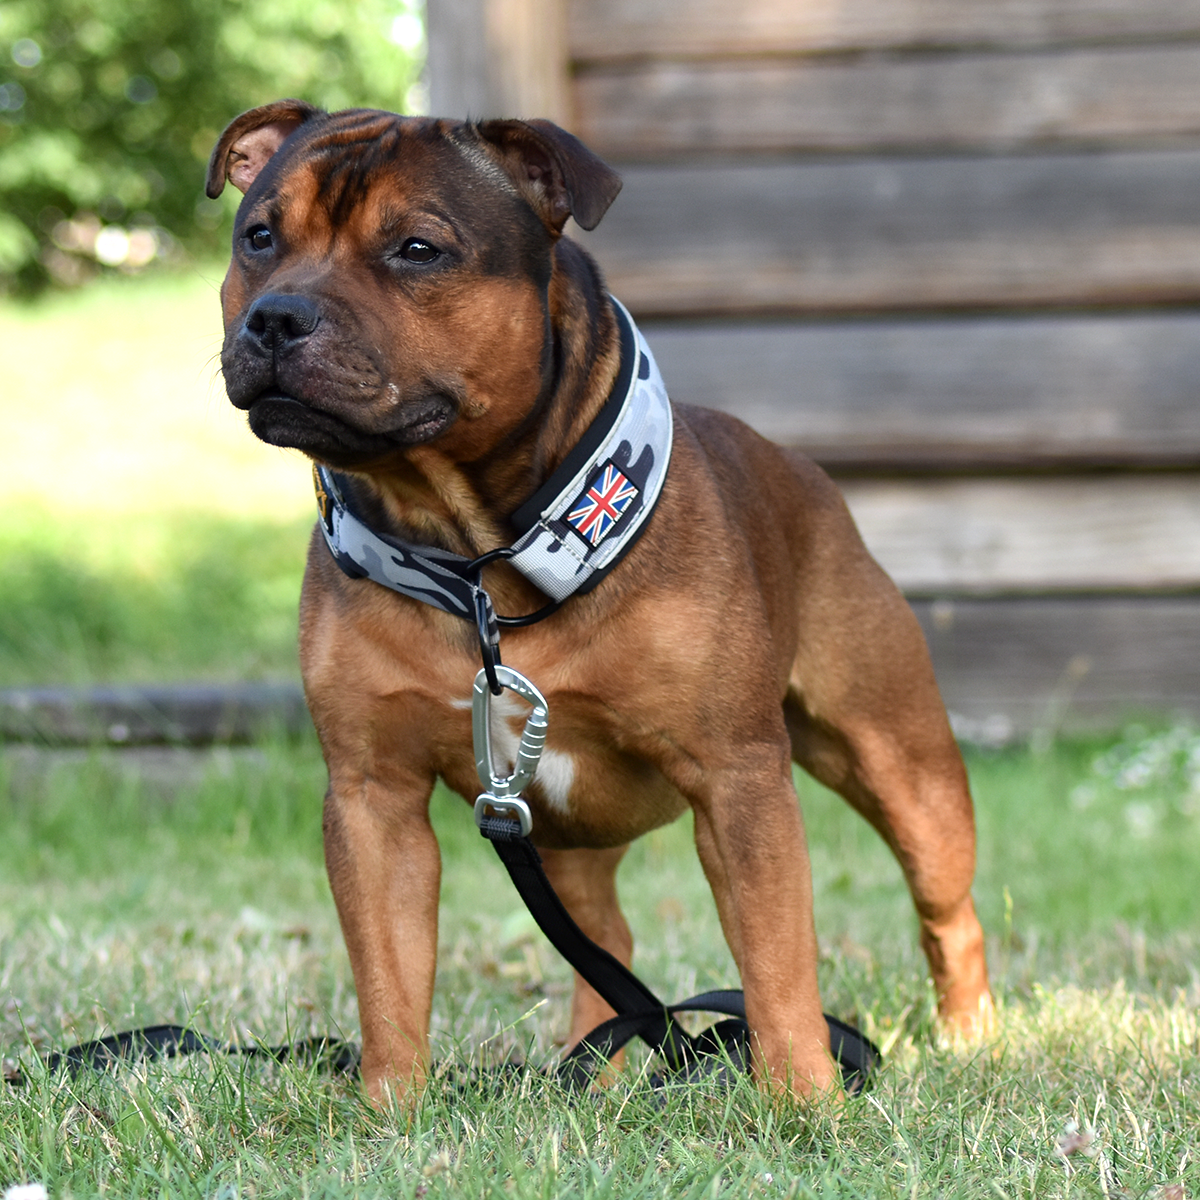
(277, 319)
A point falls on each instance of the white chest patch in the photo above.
(555, 774)
(556, 768)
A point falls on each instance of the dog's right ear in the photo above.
(250, 140)
(555, 171)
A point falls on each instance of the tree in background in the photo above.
(109, 110)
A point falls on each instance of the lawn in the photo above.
(197, 895)
(147, 534)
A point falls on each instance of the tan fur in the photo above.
(747, 628)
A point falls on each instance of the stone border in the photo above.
(197, 714)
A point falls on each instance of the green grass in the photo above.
(147, 535)
(124, 905)
(180, 596)
(112, 406)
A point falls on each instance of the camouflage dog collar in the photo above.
(572, 531)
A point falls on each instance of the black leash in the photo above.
(640, 1013)
(504, 818)
(173, 1041)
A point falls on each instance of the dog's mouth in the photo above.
(280, 419)
(425, 419)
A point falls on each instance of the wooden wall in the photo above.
(952, 248)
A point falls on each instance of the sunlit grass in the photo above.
(123, 905)
(147, 534)
(112, 405)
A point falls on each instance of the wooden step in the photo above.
(184, 714)
(866, 235)
(952, 393)
(1096, 96)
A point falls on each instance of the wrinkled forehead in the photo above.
(362, 165)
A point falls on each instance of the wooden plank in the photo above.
(920, 394)
(1008, 667)
(1096, 96)
(607, 29)
(992, 536)
(827, 236)
(498, 58)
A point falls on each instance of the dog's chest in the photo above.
(591, 787)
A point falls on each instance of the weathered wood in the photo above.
(824, 236)
(1089, 96)
(158, 714)
(1006, 535)
(1011, 666)
(498, 58)
(919, 394)
(606, 29)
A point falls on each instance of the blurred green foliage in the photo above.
(109, 109)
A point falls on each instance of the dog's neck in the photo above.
(424, 495)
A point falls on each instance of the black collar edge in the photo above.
(525, 517)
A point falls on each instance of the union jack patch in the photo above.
(602, 505)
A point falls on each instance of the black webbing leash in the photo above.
(504, 818)
(640, 1013)
(172, 1041)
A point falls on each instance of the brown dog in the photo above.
(402, 307)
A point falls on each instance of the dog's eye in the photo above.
(259, 238)
(417, 251)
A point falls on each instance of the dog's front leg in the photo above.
(385, 871)
(750, 838)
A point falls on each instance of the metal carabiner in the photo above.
(502, 793)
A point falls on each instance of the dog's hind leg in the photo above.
(586, 883)
(917, 799)
(866, 719)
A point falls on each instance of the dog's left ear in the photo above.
(555, 171)
(249, 142)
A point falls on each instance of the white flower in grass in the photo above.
(1075, 1141)
(26, 1191)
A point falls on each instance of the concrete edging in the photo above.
(190, 714)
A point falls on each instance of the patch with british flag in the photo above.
(603, 504)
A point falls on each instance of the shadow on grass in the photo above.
(176, 597)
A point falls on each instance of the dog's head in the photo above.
(390, 276)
